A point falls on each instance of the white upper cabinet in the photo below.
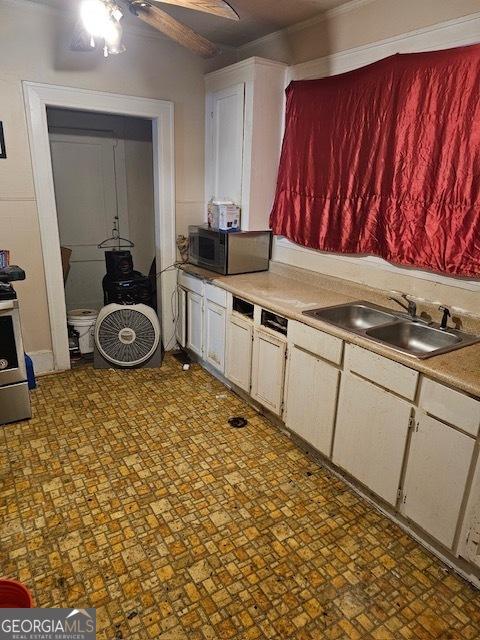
(244, 114)
(226, 146)
(437, 471)
(371, 435)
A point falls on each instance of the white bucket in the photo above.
(83, 321)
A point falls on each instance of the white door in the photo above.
(437, 471)
(311, 391)
(238, 362)
(225, 143)
(195, 323)
(268, 370)
(181, 324)
(215, 328)
(371, 435)
(87, 184)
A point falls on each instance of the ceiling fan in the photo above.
(100, 23)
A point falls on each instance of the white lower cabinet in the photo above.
(268, 370)
(311, 390)
(195, 323)
(238, 358)
(371, 435)
(181, 323)
(469, 540)
(437, 471)
(215, 330)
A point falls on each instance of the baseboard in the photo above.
(42, 361)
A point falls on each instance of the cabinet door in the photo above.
(181, 324)
(311, 390)
(268, 370)
(195, 323)
(214, 344)
(371, 435)
(225, 140)
(238, 364)
(437, 471)
(469, 540)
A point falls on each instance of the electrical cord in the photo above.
(175, 265)
(175, 316)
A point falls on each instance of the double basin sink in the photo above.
(397, 331)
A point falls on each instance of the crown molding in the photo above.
(305, 24)
(245, 64)
(447, 34)
(346, 8)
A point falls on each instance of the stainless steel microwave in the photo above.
(229, 252)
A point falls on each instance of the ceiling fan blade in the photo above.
(175, 30)
(216, 7)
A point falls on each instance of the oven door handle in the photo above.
(6, 305)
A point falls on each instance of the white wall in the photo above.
(34, 44)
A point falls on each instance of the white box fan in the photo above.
(127, 336)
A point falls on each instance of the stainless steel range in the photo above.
(14, 395)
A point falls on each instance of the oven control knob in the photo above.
(3, 364)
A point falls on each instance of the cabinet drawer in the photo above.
(190, 283)
(215, 294)
(382, 371)
(315, 341)
(451, 406)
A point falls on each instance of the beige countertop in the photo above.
(289, 291)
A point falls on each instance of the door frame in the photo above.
(37, 98)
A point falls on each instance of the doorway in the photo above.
(103, 177)
(38, 99)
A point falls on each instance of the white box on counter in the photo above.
(224, 216)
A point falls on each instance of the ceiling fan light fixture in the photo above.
(101, 19)
(113, 39)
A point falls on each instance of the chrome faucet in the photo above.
(446, 316)
(409, 306)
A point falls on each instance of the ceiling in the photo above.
(257, 17)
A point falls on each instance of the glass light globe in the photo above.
(96, 17)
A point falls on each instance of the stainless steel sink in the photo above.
(394, 330)
(355, 316)
(414, 339)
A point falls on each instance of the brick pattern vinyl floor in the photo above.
(129, 492)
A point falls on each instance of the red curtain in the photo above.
(385, 160)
